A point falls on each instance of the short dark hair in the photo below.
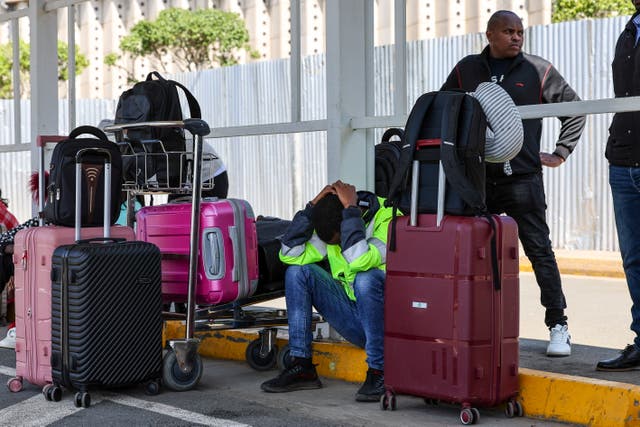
(500, 16)
(326, 217)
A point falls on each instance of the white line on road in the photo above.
(171, 411)
(36, 411)
(5, 370)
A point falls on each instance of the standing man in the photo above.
(516, 187)
(623, 153)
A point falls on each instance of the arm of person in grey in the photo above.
(556, 89)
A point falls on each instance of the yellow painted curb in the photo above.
(582, 267)
(545, 395)
(579, 400)
(335, 360)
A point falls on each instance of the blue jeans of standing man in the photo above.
(360, 322)
(625, 189)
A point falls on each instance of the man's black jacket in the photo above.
(623, 146)
(529, 80)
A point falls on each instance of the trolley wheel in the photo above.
(519, 409)
(257, 361)
(510, 409)
(82, 399)
(152, 388)
(174, 378)
(14, 385)
(467, 416)
(388, 401)
(284, 358)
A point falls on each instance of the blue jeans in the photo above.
(360, 322)
(625, 189)
(523, 199)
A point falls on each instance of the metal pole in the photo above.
(195, 228)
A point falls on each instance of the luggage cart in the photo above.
(182, 365)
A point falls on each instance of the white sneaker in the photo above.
(10, 340)
(560, 341)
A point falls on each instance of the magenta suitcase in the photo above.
(228, 258)
(33, 248)
(451, 323)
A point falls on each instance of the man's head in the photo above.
(505, 34)
(326, 218)
(636, 3)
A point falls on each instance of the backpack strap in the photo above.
(194, 106)
(451, 162)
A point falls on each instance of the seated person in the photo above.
(349, 229)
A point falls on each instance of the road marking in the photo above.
(172, 411)
(5, 370)
(36, 411)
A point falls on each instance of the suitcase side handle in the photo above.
(235, 245)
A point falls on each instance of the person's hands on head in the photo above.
(346, 193)
(551, 160)
(328, 189)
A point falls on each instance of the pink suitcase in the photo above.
(228, 258)
(33, 249)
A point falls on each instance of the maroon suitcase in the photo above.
(450, 334)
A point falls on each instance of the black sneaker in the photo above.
(372, 388)
(295, 377)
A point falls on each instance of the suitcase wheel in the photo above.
(152, 387)
(258, 359)
(388, 401)
(469, 416)
(513, 408)
(52, 393)
(82, 399)
(177, 379)
(14, 385)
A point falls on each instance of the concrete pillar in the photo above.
(43, 74)
(347, 60)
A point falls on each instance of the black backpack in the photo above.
(445, 126)
(60, 204)
(151, 151)
(387, 157)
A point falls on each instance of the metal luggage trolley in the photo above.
(182, 365)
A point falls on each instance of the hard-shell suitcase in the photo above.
(228, 258)
(106, 327)
(32, 252)
(451, 328)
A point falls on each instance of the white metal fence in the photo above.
(279, 173)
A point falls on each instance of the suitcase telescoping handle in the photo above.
(415, 181)
(107, 190)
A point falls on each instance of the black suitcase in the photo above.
(106, 314)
